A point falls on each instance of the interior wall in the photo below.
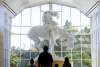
(4, 39)
(95, 37)
(1, 37)
(1, 50)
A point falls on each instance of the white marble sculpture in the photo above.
(49, 31)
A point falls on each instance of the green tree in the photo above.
(13, 60)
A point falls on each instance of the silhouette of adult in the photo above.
(45, 58)
(32, 63)
(66, 62)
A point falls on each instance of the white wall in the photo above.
(4, 19)
(95, 37)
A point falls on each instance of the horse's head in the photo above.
(47, 17)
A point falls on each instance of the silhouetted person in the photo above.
(56, 65)
(45, 58)
(32, 63)
(66, 62)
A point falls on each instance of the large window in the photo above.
(71, 19)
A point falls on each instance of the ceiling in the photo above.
(13, 7)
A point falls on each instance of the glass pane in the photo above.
(76, 63)
(77, 43)
(58, 54)
(19, 64)
(17, 20)
(56, 7)
(45, 7)
(35, 17)
(76, 55)
(15, 41)
(58, 20)
(24, 63)
(85, 30)
(26, 14)
(77, 47)
(25, 42)
(15, 55)
(86, 39)
(64, 48)
(32, 44)
(25, 30)
(75, 17)
(77, 39)
(34, 54)
(86, 54)
(85, 21)
(86, 63)
(14, 59)
(65, 15)
(41, 18)
(66, 54)
(72, 29)
(15, 30)
(57, 48)
(84, 46)
(25, 54)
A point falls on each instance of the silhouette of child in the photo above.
(32, 63)
(56, 65)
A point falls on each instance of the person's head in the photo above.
(31, 61)
(45, 48)
(56, 65)
(66, 59)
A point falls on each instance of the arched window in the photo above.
(22, 48)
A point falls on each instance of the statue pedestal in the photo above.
(57, 60)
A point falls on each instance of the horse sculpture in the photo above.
(49, 31)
